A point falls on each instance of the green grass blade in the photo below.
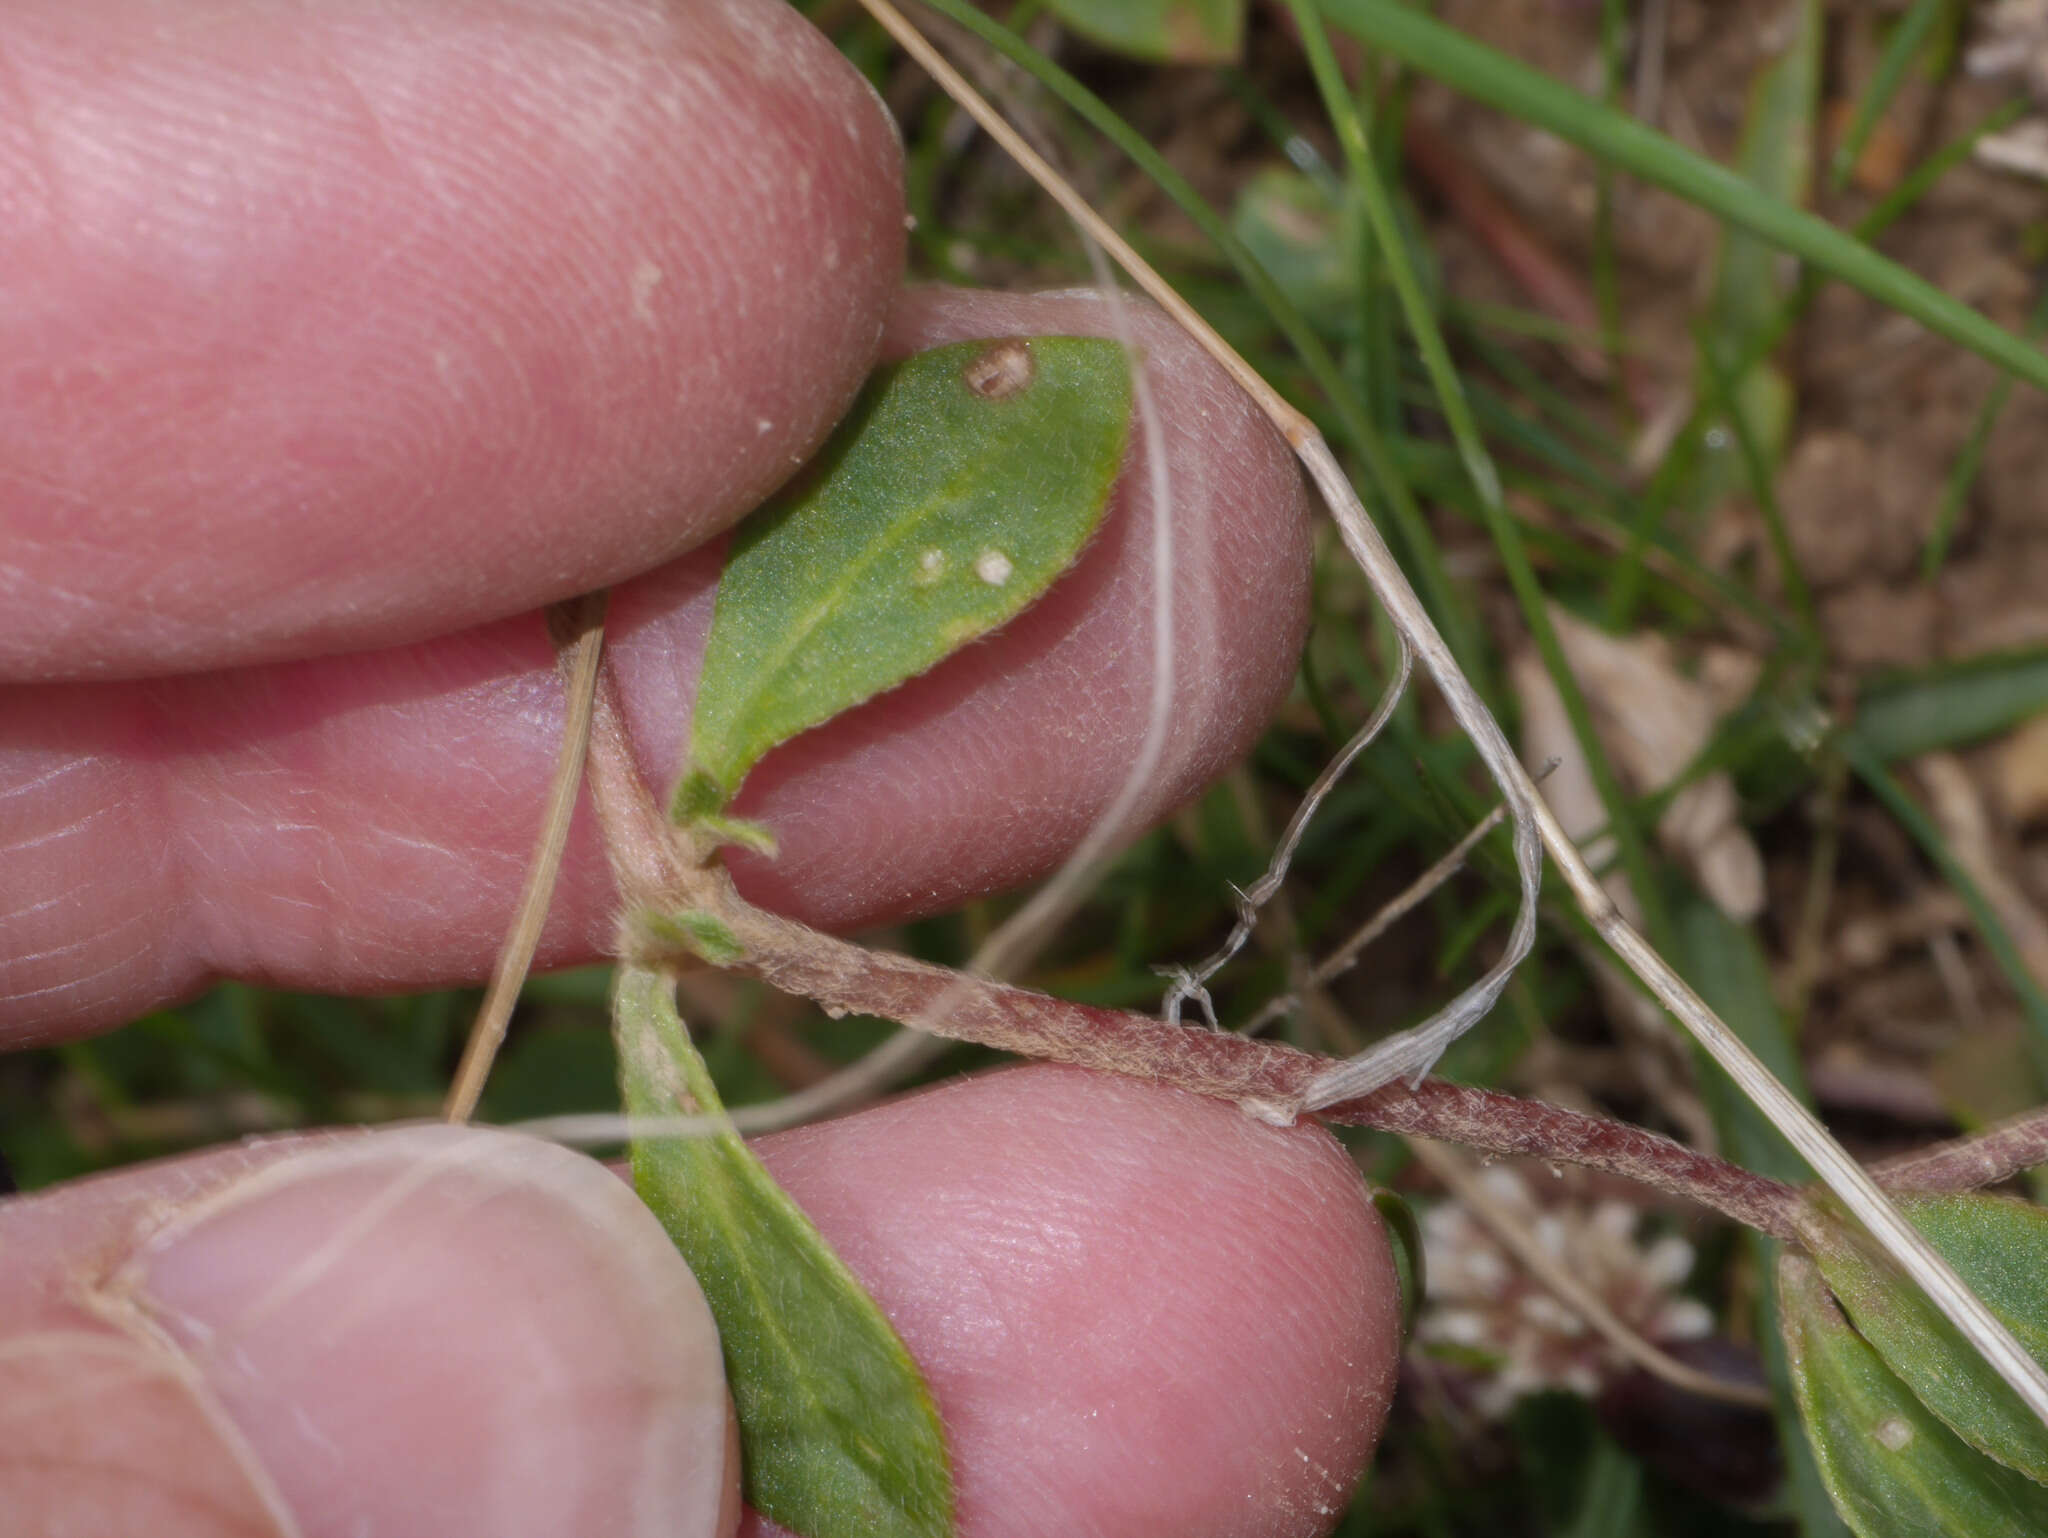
(1963, 474)
(1686, 443)
(1511, 87)
(1951, 705)
(1997, 938)
(1775, 161)
(1760, 467)
(1447, 605)
(1908, 34)
(1165, 31)
(1738, 333)
(1477, 462)
(1606, 254)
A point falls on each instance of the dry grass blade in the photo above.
(1398, 907)
(577, 629)
(1410, 1053)
(1189, 984)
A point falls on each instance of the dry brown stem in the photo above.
(576, 627)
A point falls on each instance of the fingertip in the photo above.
(427, 1330)
(1141, 1312)
(335, 329)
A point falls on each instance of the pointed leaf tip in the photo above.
(964, 481)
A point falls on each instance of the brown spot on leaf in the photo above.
(1004, 369)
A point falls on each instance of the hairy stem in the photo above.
(1266, 1079)
(672, 903)
(1967, 1163)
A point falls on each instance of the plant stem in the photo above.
(576, 627)
(1268, 1080)
(1967, 1163)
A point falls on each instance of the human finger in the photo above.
(431, 1330)
(362, 823)
(340, 327)
(1140, 1312)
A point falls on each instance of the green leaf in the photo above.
(1991, 928)
(1776, 159)
(1611, 1498)
(962, 483)
(1303, 237)
(1405, 1232)
(838, 1433)
(1912, 31)
(1725, 962)
(1951, 705)
(1168, 31)
(1998, 1246)
(1895, 1471)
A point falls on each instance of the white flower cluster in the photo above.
(1481, 1302)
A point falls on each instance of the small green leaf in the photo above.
(1166, 31)
(1998, 1246)
(838, 1433)
(702, 934)
(963, 482)
(1410, 1268)
(1894, 1470)
(1952, 704)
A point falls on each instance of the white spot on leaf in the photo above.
(931, 566)
(1894, 1434)
(993, 567)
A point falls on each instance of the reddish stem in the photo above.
(1265, 1078)
(658, 873)
(1967, 1163)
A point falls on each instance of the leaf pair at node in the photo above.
(963, 482)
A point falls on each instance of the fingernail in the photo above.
(450, 1331)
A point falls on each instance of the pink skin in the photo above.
(626, 258)
(1141, 1313)
(1094, 1379)
(296, 822)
